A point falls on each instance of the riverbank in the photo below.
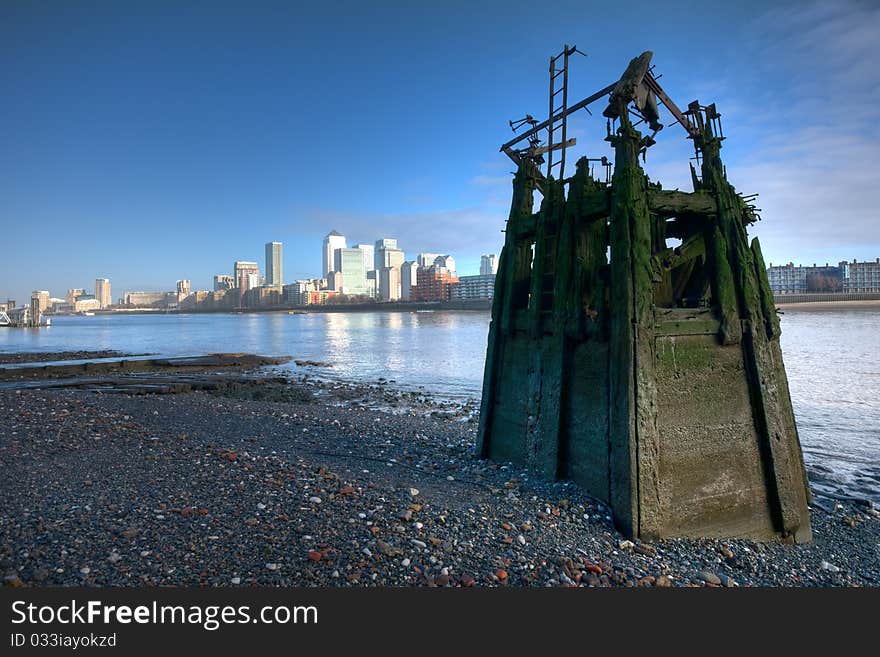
(311, 483)
(829, 305)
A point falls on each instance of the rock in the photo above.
(467, 580)
(413, 491)
(261, 506)
(387, 549)
(314, 555)
(405, 515)
(418, 543)
(830, 567)
(645, 550)
(663, 582)
(501, 574)
(85, 570)
(315, 499)
(12, 580)
(235, 581)
(129, 533)
(114, 557)
(405, 563)
(272, 566)
(521, 539)
(626, 545)
(709, 577)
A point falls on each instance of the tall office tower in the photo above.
(447, 263)
(369, 255)
(183, 287)
(408, 279)
(102, 292)
(427, 259)
(488, 265)
(246, 274)
(379, 252)
(332, 241)
(392, 258)
(274, 266)
(373, 284)
(223, 282)
(350, 263)
(389, 283)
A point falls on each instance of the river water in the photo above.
(832, 356)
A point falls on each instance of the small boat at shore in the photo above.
(85, 313)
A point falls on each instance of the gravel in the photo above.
(332, 484)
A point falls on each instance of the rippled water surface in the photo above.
(832, 356)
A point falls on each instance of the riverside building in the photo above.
(474, 287)
(434, 284)
(102, 292)
(223, 282)
(861, 276)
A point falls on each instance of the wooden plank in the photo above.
(673, 202)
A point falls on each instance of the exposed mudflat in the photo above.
(50, 356)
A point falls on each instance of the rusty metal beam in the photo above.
(654, 86)
(541, 126)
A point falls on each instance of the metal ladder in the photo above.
(557, 112)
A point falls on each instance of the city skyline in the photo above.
(105, 134)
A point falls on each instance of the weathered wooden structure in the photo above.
(634, 343)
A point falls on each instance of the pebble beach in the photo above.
(303, 482)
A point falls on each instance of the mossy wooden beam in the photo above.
(674, 202)
(633, 434)
(513, 266)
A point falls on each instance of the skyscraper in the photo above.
(332, 241)
(446, 263)
(369, 255)
(350, 263)
(426, 259)
(102, 292)
(379, 252)
(488, 265)
(408, 279)
(274, 267)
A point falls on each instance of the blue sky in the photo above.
(151, 141)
